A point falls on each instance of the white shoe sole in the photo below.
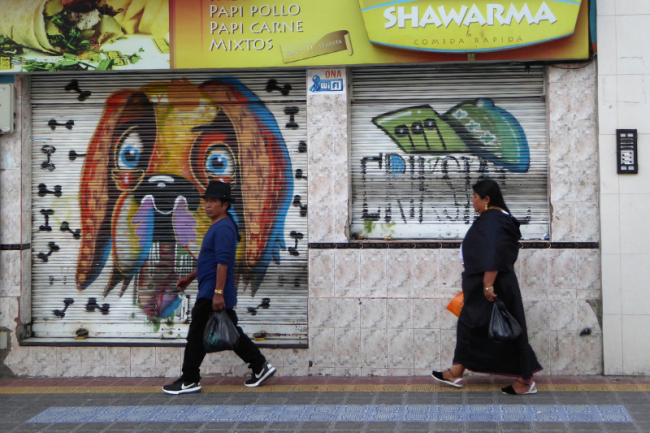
(533, 390)
(457, 384)
(268, 374)
(183, 391)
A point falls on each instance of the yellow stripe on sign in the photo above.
(318, 46)
(318, 388)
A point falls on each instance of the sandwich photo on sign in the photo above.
(53, 35)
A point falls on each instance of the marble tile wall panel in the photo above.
(451, 269)
(93, 356)
(47, 355)
(573, 152)
(571, 102)
(400, 313)
(426, 313)
(168, 361)
(373, 273)
(347, 271)
(587, 222)
(320, 347)
(19, 356)
(588, 270)
(321, 223)
(10, 206)
(373, 313)
(26, 286)
(426, 349)
(400, 348)
(587, 317)
(563, 221)
(8, 312)
(10, 273)
(321, 273)
(426, 273)
(562, 269)
(327, 110)
(347, 347)
(374, 348)
(118, 356)
(322, 313)
(347, 313)
(572, 72)
(399, 273)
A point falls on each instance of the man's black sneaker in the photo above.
(182, 387)
(258, 379)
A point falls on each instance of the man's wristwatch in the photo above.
(218, 292)
(488, 288)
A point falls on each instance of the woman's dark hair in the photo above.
(489, 188)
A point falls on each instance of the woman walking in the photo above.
(489, 252)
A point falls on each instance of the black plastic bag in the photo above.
(503, 327)
(220, 333)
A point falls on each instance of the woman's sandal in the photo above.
(509, 390)
(437, 375)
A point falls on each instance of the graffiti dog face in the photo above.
(150, 159)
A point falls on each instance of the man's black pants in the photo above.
(194, 351)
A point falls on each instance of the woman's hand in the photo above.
(489, 294)
(489, 277)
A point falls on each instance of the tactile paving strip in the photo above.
(307, 413)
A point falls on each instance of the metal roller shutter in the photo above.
(421, 136)
(119, 163)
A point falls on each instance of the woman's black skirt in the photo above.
(474, 349)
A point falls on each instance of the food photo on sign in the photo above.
(72, 35)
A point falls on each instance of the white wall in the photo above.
(623, 101)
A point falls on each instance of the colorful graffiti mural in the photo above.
(477, 127)
(124, 188)
(424, 174)
(145, 169)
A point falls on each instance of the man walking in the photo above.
(216, 273)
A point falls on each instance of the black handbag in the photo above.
(503, 327)
(220, 333)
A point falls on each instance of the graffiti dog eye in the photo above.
(129, 153)
(219, 163)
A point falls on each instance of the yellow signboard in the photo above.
(467, 26)
(222, 34)
(275, 33)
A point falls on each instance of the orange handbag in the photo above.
(456, 304)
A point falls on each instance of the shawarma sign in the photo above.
(79, 35)
(472, 27)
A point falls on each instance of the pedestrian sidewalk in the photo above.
(325, 404)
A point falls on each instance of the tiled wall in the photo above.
(573, 152)
(624, 103)
(15, 194)
(382, 311)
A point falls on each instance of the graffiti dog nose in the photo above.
(165, 190)
(161, 181)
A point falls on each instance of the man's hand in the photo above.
(185, 281)
(218, 303)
